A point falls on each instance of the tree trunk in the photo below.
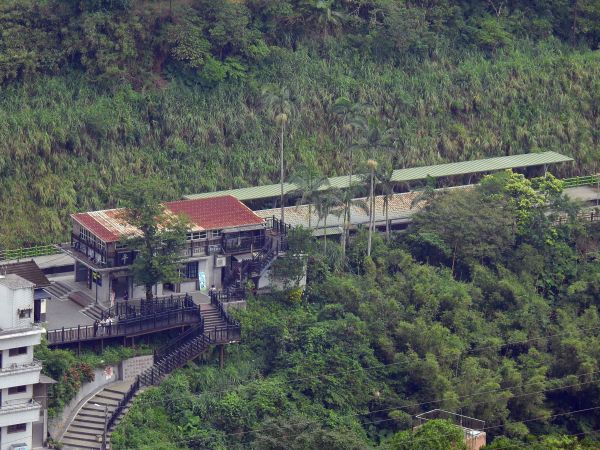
(149, 293)
(371, 214)
(387, 220)
(325, 236)
(281, 172)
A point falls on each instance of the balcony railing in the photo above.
(18, 406)
(19, 368)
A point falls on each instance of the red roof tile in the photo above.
(96, 227)
(213, 213)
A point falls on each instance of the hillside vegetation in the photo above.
(462, 312)
(94, 91)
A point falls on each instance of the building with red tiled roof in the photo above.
(222, 231)
(215, 213)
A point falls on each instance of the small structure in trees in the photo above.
(473, 429)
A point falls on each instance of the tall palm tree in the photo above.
(349, 200)
(328, 202)
(353, 121)
(372, 164)
(278, 104)
(387, 185)
(309, 182)
(326, 17)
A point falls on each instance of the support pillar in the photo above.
(222, 356)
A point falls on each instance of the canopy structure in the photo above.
(404, 175)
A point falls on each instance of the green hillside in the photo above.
(96, 90)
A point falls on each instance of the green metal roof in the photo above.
(402, 175)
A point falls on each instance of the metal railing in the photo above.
(28, 252)
(18, 368)
(24, 405)
(581, 181)
(126, 327)
(131, 309)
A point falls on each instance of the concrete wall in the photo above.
(126, 370)
(12, 301)
(132, 367)
(23, 437)
(58, 425)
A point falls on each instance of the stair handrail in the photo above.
(193, 331)
(214, 300)
(142, 380)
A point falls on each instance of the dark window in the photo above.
(24, 313)
(20, 427)
(17, 351)
(17, 389)
(191, 270)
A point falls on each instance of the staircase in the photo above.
(212, 317)
(58, 289)
(94, 311)
(86, 430)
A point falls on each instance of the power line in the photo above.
(566, 435)
(446, 435)
(382, 366)
(437, 401)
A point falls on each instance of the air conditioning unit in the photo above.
(220, 261)
(19, 447)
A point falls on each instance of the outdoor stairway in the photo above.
(85, 432)
(58, 289)
(212, 317)
(94, 311)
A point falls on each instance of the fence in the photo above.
(125, 327)
(581, 181)
(28, 252)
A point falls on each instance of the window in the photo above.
(191, 270)
(17, 351)
(24, 313)
(18, 428)
(215, 233)
(196, 235)
(17, 389)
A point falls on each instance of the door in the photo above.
(37, 310)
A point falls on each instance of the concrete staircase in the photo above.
(212, 317)
(86, 429)
(59, 289)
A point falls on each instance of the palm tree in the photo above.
(426, 193)
(325, 17)
(387, 185)
(349, 200)
(279, 106)
(327, 202)
(372, 164)
(353, 120)
(309, 182)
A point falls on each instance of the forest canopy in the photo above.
(507, 335)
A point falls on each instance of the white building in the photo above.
(19, 372)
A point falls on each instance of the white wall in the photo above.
(10, 301)
(7, 440)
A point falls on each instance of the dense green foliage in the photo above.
(94, 91)
(506, 333)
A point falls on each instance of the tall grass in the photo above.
(63, 143)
